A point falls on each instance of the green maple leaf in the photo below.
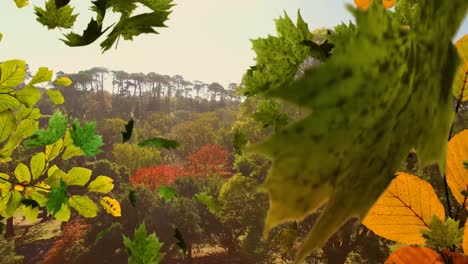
(144, 248)
(278, 58)
(384, 91)
(85, 138)
(443, 234)
(54, 17)
(167, 193)
(55, 130)
(90, 34)
(57, 197)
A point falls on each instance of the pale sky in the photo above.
(206, 40)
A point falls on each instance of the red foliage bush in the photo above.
(208, 161)
(154, 177)
(70, 245)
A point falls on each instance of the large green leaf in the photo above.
(102, 184)
(13, 73)
(63, 81)
(31, 212)
(79, 176)
(56, 129)
(83, 205)
(43, 75)
(28, 96)
(37, 165)
(8, 102)
(7, 124)
(85, 137)
(55, 96)
(361, 128)
(14, 201)
(22, 173)
(64, 213)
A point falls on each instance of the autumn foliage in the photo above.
(155, 176)
(70, 245)
(209, 160)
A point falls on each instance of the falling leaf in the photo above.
(111, 205)
(132, 197)
(158, 142)
(405, 208)
(180, 240)
(127, 134)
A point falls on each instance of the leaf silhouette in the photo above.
(461, 78)
(405, 208)
(457, 177)
(409, 255)
(158, 142)
(180, 240)
(127, 134)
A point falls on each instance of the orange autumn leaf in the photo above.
(460, 83)
(411, 255)
(388, 3)
(364, 4)
(405, 208)
(457, 175)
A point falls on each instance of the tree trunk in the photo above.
(10, 230)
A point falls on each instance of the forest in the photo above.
(341, 145)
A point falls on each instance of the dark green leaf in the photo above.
(61, 3)
(127, 134)
(158, 142)
(134, 26)
(55, 130)
(57, 197)
(85, 138)
(180, 240)
(132, 197)
(90, 34)
(30, 202)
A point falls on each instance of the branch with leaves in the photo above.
(43, 183)
(60, 14)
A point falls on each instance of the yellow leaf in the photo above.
(457, 175)
(410, 255)
(405, 208)
(460, 84)
(112, 206)
(53, 150)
